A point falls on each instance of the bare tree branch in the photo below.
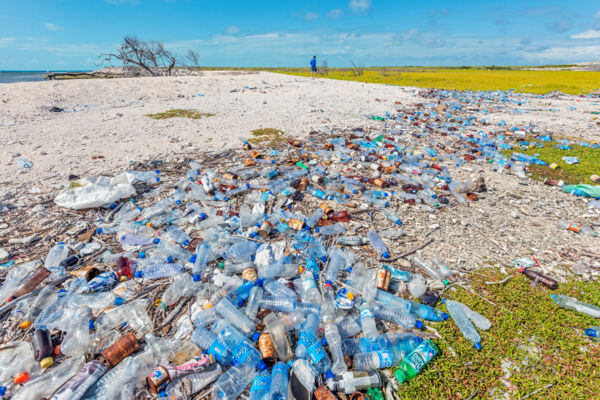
(152, 56)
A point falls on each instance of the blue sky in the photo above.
(70, 34)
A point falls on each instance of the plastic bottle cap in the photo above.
(591, 332)
(119, 301)
(419, 324)
(25, 325)
(385, 255)
(186, 242)
(170, 259)
(91, 324)
(141, 254)
(258, 282)
(46, 362)
(477, 346)
(350, 296)
(196, 277)
(324, 258)
(255, 336)
(193, 258)
(221, 265)
(252, 258)
(21, 378)
(445, 316)
(329, 375)
(521, 269)
(123, 278)
(2, 390)
(139, 274)
(99, 230)
(156, 240)
(328, 283)
(323, 342)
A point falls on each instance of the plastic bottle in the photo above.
(353, 381)
(43, 298)
(200, 259)
(282, 304)
(378, 244)
(334, 341)
(233, 382)
(574, 304)
(256, 295)
(427, 267)
(172, 250)
(593, 332)
(76, 387)
(261, 386)
(182, 286)
(313, 346)
(416, 361)
(277, 289)
(310, 293)
(29, 283)
(407, 306)
(56, 254)
(312, 220)
(77, 339)
(41, 342)
(392, 216)
(396, 316)
(349, 326)
(241, 252)
(158, 271)
(178, 235)
(328, 230)
(379, 359)
(235, 317)
(208, 341)
(95, 301)
(319, 194)
(577, 228)
(463, 323)
(279, 381)
(186, 386)
(351, 241)
(45, 385)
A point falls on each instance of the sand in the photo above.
(106, 127)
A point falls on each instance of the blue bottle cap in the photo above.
(203, 216)
(193, 258)
(157, 171)
(329, 375)
(141, 254)
(156, 241)
(262, 366)
(113, 206)
(2, 390)
(234, 363)
(91, 325)
(328, 283)
(119, 301)
(419, 324)
(323, 342)
(591, 332)
(252, 258)
(178, 202)
(258, 282)
(240, 302)
(477, 346)
(324, 258)
(196, 277)
(186, 242)
(139, 274)
(255, 336)
(57, 243)
(385, 255)
(252, 234)
(99, 230)
(317, 230)
(170, 259)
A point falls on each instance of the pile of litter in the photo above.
(269, 269)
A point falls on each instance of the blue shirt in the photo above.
(313, 62)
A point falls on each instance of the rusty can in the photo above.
(357, 396)
(250, 162)
(157, 378)
(326, 209)
(389, 170)
(379, 182)
(89, 272)
(255, 154)
(383, 279)
(249, 274)
(122, 348)
(295, 224)
(247, 146)
(267, 349)
(322, 393)
(300, 184)
(265, 229)
(229, 175)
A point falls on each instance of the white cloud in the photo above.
(335, 13)
(232, 30)
(310, 16)
(360, 6)
(589, 34)
(52, 27)
(6, 41)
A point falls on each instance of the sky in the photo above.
(71, 34)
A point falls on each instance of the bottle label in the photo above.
(316, 352)
(342, 301)
(366, 313)
(280, 369)
(319, 193)
(574, 227)
(421, 355)
(243, 351)
(217, 349)
(261, 383)
(385, 359)
(308, 283)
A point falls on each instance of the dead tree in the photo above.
(152, 57)
(193, 58)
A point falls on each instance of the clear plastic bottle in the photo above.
(353, 381)
(427, 267)
(56, 254)
(133, 314)
(45, 385)
(314, 349)
(417, 285)
(158, 271)
(182, 286)
(334, 341)
(328, 230)
(574, 304)
(200, 259)
(233, 382)
(277, 289)
(463, 323)
(254, 299)
(379, 359)
(406, 306)
(392, 216)
(397, 317)
(233, 315)
(43, 298)
(378, 244)
(241, 252)
(280, 381)
(77, 339)
(306, 373)
(96, 301)
(349, 326)
(312, 220)
(310, 293)
(178, 235)
(208, 341)
(172, 250)
(367, 322)
(76, 387)
(577, 228)
(282, 304)
(186, 386)
(336, 263)
(351, 241)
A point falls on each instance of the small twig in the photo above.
(538, 390)
(484, 299)
(174, 313)
(408, 253)
(499, 282)
(472, 396)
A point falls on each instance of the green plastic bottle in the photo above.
(416, 361)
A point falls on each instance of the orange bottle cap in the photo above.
(25, 325)
(21, 378)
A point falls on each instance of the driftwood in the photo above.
(79, 75)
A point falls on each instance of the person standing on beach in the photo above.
(313, 67)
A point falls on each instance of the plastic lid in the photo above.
(385, 255)
(324, 258)
(262, 366)
(329, 375)
(445, 316)
(193, 258)
(591, 332)
(119, 301)
(21, 378)
(252, 258)
(419, 324)
(350, 296)
(46, 362)
(99, 230)
(255, 336)
(25, 325)
(521, 269)
(141, 254)
(317, 230)
(139, 274)
(186, 242)
(258, 282)
(2, 390)
(91, 324)
(177, 202)
(399, 375)
(170, 259)
(323, 342)
(156, 240)
(477, 346)
(328, 283)
(196, 277)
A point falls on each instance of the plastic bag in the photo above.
(95, 191)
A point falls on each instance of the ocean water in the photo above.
(24, 76)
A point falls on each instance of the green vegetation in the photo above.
(179, 113)
(469, 78)
(267, 136)
(538, 344)
(589, 163)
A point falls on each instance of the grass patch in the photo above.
(589, 163)
(471, 78)
(529, 332)
(179, 113)
(266, 136)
